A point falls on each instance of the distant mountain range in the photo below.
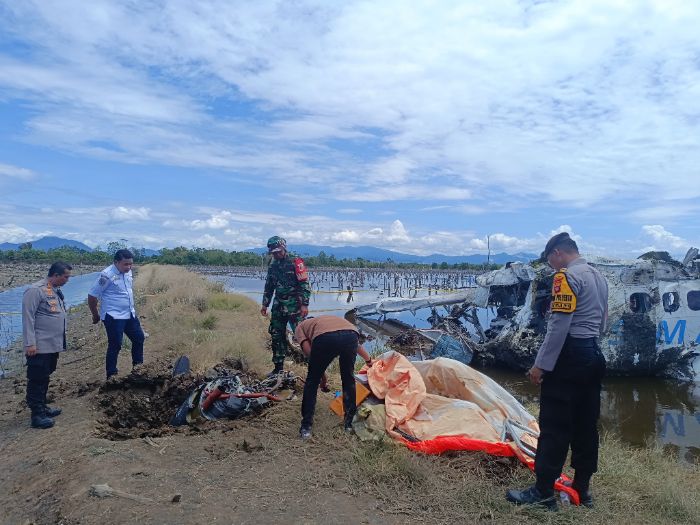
(369, 253)
(373, 254)
(47, 243)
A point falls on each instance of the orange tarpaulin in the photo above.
(443, 397)
(442, 404)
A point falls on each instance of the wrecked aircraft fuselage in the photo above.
(653, 326)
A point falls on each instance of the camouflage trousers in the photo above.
(281, 314)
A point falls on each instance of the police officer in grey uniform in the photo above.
(113, 290)
(44, 334)
(569, 368)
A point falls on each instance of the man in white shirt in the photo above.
(113, 290)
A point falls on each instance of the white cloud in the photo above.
(122, 213)
(568, 229)
(14, 233)
(15, 172)
(663, 239)
(217, 221)
(597, 96)
(207, 241)
(512, 244)
(346, 236)
(398, 234)
(503, 242)
(393, 192)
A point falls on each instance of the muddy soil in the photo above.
(142, 403)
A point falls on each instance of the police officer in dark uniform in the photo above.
(569, 368)
(44, 321)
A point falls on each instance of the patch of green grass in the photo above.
(209, 322)
(224, 301)
(386, 463)
(95, 450)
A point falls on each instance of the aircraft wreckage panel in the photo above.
(653, 325)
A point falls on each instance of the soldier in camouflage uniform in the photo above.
(288, 280)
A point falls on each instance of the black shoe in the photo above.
(52, 412)
(586, 498)
(41, 421)
(305, 433)
(532, 496)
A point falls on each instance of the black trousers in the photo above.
(569, 412)
(39, 370)
(325, 348)
(116, 328)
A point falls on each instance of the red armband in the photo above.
(300, 270)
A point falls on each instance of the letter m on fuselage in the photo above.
(663, 335)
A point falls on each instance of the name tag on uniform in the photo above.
(563, 297)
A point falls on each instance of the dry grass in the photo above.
(633, 487)
(185, 314)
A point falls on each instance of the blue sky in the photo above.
(417, 126)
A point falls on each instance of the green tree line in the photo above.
(26, 253)
(211, 257)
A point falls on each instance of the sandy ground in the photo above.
(248, 471)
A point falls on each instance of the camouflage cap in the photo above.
(276, 244)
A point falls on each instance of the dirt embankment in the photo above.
(17, 274)
(255, 470)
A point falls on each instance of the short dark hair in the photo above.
(59, 268)
(122, 254)
(561, 241)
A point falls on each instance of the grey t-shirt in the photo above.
(587, 320)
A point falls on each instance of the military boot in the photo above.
(52, 412)
(41, 421)
(532, 496)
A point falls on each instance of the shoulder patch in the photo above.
(103, 280)
(563, 297)
(300, 270)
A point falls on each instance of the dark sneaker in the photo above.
(41, 421)
(277, 371)
(347, 425)
(305, 433)
(586, 498)
(52, 412)
(532, 496)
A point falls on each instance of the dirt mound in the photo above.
(142, 403)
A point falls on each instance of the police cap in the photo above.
(560, 240)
